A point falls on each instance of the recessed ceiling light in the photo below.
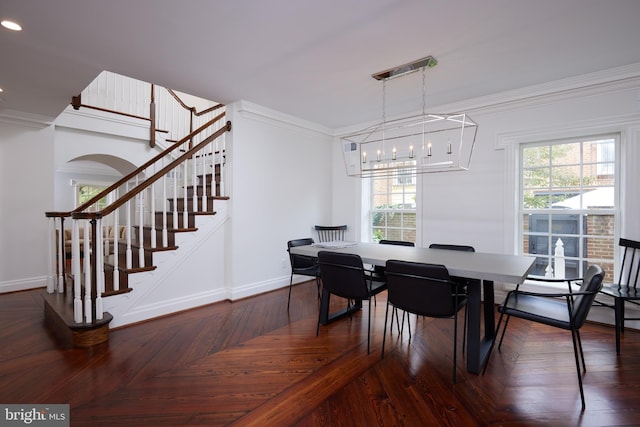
(10, 25)
(1, 90)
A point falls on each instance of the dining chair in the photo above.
(344, 275)
(425, 290)
(463, 281)
(330, 233)
(565, 310)
(626, 289)
(303, 265)
(379, 274)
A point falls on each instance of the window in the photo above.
(568, 206)
(86, 192)
(393, 207)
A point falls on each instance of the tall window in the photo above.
(393, 207)
(568, 205)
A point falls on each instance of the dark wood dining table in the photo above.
(485, 268)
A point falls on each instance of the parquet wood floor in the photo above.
(249, 363)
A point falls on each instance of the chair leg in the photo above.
(384, 336)
(404, 313)
(506, 323)
(575, 352)
(369, 329)
(493, 343)
(290, 285)
(318, 286)
(619, 315)
(455, 345)
(584, 366)
(394, 311)
(464, 330)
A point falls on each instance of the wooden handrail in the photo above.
(147, 182)
(127, 177)
(114, 112)
(193, 109)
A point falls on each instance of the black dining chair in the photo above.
(379, 274)
(565, 310)
(626, 289)
(344, 275)
(303, 265)
(463, 281)
(425, 290)
(330, 233)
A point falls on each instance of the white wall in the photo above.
(280, 185)
(26, 191)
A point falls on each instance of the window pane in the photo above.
(536, 156)
(565, 154)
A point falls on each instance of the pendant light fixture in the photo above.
(415, 144)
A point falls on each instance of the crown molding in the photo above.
(611, 80)
(268, 115)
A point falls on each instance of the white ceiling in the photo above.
(310, 59)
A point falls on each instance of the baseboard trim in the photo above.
(23, 284)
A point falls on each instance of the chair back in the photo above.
(449, 247)
(330, 233)
(592, 283)
(379, 268)
(396, 242)
(630, 269)
(300, 261)
(423, 289)
(343, 275)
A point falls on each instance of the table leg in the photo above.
(326, 317)
(477, 346)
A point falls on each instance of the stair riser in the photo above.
(199, 205)
(148, 232)
(191, 222)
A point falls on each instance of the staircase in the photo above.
(149, 208)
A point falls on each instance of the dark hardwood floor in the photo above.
(250, 363)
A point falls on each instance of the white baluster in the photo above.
(152, 212)
(185, 218)
(140, 199)
(105, 237)
(203, 161)
(100, 268)
(175, 198)
(116, 251)
(165, 238)
(77, 271)
(128, 253)
(62, 258)
(51, 275)
(88, 318)
(194, 179)
(222, 152)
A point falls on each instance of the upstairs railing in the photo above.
(143, 209)
(167, 111)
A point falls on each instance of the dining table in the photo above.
(484, 269)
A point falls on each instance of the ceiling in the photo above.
(310, 59)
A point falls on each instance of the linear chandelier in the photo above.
(421, 143)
